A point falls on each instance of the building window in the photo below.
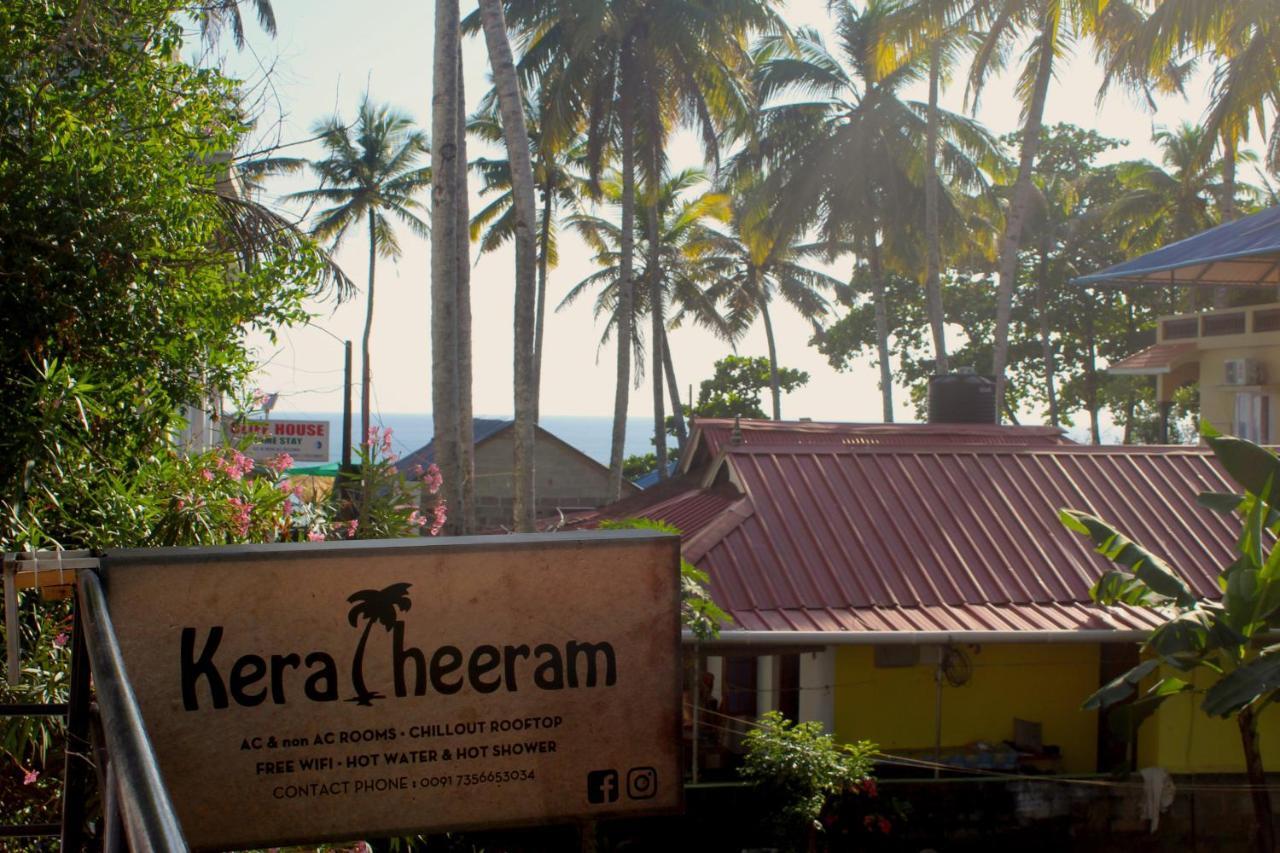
(739, 687)
(1252, 417)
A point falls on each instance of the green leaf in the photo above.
(1117, 587)
(1118, 548)
(1223, 502)
(1248, 464)
(1242, 686)
(1170, 685)
(1124, 720)
(1121, 687)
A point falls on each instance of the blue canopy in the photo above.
(1245, 252)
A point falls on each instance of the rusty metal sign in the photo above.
(298, 693)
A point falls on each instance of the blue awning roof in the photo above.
(1245, 252)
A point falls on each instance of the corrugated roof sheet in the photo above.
(951, 538)
(714, 434)
(1243, 252)
(1154, 360)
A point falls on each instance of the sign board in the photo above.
(305, 441)
(327, 691)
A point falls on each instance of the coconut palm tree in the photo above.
(511, 108)
(373, 605)
(214, 15)
(752, 264)
(686, 211)
(370, 173)
(858, 176)
(558, 171)
(1053, 27)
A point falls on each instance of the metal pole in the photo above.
(937, 715)
(346, 407)
(77, 764)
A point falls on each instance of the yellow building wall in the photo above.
(1217, 399)
(1183, 739)
(894, 707)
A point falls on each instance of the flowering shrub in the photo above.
(377, 502)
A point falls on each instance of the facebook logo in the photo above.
(602, 786)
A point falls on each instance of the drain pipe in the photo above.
(774, 639)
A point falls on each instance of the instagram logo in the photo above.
(642, 783)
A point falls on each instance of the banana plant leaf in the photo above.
(1118, 548)
(1242, 686)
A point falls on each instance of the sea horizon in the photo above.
(592, 434)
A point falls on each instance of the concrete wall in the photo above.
(894, 707)
(565, 479)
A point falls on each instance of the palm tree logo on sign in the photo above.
(382, 606)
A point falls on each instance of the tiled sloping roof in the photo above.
(481, 429)
(1160, 358)
(952, 538)
(714, 434)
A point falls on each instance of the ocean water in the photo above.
(409, 431)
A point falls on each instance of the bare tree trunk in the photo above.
(1046, 343)
(1015, 219)
(933, 240)
(882, 331)
(544, 243)
(445, 113)
(1264, 825)
(1228, 202)
(466, 490)
(775, 387)
(626, 286)
(657, 325)
(1091, 380)
(668, 364)
(514, 131)
(366, 369)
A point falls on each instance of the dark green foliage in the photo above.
(638, 466)
(735, 388)
(801, 771)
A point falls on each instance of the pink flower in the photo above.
(297, 492)
(418, 470)
(386, 440)
(241, 517)
(287, 509)
(416, 519)
(439, 517)
(182, 504)
(259, 397)
(61, 640)
(315, 536)
(371, 437)
(351, 528)
(433, 479)
(885, 826)
(30, 777)
(207, 474)
(280, 463)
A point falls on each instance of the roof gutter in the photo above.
(758, 639)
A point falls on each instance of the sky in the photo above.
(326, 57)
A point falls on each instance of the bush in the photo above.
(802, 773)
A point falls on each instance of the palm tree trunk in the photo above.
(1046, 343)
(775, 388)
(677, 411)
(625, 283)
(1228, 202)
(465, 493)
(657, 319)
(544, 244)
(882, 330)
(1011, 239)
(357, 667)
(446, 112)
(366, 369)
(1264, 824)
(933, 240)
(510, 105)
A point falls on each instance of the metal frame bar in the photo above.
(149, 819)
(77, 765)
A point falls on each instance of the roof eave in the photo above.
(746, 639)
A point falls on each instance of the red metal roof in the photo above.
(1153, 360)
(714, 434)
(952, 538)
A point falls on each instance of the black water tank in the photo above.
(962, 398)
